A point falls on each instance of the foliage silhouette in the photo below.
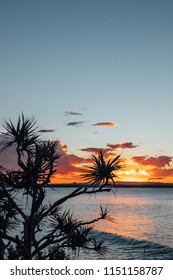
(30, 228)
(102, 171)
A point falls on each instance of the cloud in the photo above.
(69, 113)
(158, 167)
(105, 124)
(46, 130)
(8, 157)
(111, 148)
(160, 161)
(94, 150)
(156, 178)
(161, 172)
(76, 124)
(124, 145)
(68, 163)
(61, 147)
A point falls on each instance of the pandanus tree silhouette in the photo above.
(31, 228)
(101, 172)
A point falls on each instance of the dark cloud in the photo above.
(160, 161)
(111, 148)
(156, 178)
(105, 124)
(94, 150)
(68, 163)
(124, 145)
(46, 130)
(77, 124)
(69, 113)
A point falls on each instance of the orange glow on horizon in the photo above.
(133, 171)
(122, 176)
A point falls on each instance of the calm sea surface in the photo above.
(143, 221)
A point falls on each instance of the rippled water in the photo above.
(143, 226)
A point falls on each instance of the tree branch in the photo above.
(13, 203)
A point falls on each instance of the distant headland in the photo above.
(119, 185)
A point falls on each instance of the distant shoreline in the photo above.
(118, 185)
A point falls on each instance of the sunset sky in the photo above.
(95, 74)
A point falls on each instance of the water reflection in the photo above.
(142, 215)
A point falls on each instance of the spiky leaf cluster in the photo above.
(101, 171)
(31, 228)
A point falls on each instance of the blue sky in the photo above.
(110, 61)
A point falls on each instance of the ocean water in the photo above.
(143, 221)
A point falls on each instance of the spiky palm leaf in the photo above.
(99, 246)
(101, 171)
(64, 222)
(42, 161)
(23, 134)
(81, 237)
(12, 178)
(8, 215)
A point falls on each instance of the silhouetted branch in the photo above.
(37, 162)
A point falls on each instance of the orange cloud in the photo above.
(68, 169)
(160, 161)
(162, 172)
(61, 147)
(69, 163)
(133, 172)
(124, 145)
(156, 178)
(138, 168)
(105, 124)
(158, 168)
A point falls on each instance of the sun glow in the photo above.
(131, 173)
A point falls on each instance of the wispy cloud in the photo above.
(93, 150)
(69, 113)
(105, 124)
(111, 148)
(156, 178)
(46, 130)
(76, 124)
(124, 145)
